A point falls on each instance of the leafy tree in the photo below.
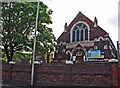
(18, 19)
(47, 42)
(22, 57)
(4, 58)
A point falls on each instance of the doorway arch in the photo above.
(68, 55)
(80, 53)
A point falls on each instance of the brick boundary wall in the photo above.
(115, 74)
(84, 74)
(119, 77)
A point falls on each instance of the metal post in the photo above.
(32, 75)
(118, 54)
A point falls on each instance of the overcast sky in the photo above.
(106, 12)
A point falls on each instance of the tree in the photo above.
(22, 57)
(47, 41)
(18, 19)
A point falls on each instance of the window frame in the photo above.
(80, 29)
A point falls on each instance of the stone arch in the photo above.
(61, 43)
(100, 38)
(80, 52)
(68, 55)
(73, 38)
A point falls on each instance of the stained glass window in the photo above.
(80, 32)
(81, 35)
(78, 35)
(73, 36)
(86, 34)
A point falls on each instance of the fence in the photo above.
(84, 74)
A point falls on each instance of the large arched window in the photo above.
(80, 32)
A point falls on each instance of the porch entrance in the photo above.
(79, 53)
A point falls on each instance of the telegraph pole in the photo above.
(34, 48)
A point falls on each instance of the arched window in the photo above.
(100, 38)
(68, 56)
(80, 32)
(78, 35)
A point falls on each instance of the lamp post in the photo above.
(118, 54)
(34, 48)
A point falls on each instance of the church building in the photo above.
(84, 40)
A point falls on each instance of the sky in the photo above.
(64, 11)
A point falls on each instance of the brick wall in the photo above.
(115, 74)
(119, 77)
(83, 74)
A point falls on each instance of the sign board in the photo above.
(94, 54)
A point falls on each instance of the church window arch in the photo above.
(80, 32)
(100, 38)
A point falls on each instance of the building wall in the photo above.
(97, 38)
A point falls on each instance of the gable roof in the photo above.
(97, 32)
(81, 17)
(64, 37)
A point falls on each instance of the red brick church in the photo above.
(84, 40)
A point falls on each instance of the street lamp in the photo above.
(118, 53)
(34, 48)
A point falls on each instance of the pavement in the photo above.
(12, 86)
(8, 86)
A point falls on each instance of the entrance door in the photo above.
(79, 53)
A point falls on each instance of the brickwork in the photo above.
(115, 71)
(97, 37)
(83, 74)
(119, 77)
